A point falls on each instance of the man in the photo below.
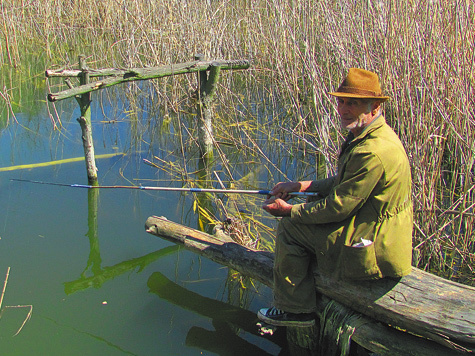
(361, 228)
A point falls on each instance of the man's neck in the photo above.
(358, 130)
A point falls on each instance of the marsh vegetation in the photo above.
(274, 121)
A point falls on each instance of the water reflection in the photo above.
(230, 322)
(100, 274)
(51, 244)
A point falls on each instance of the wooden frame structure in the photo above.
(105, 78)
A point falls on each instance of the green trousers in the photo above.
(297, 248)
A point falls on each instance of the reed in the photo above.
(279, 112)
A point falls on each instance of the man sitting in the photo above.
(361, 228)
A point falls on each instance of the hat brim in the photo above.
(358, 96)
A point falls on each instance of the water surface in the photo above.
(99, 284)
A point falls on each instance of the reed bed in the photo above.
(279, 113)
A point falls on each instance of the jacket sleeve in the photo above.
(322, 186)
(360, 176)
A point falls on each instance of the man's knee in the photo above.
(312, 237)
(291, 233)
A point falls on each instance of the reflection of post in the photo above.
(85, 122)
(94, 260)
(207, 90)
(108, 273)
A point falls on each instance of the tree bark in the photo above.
(207, 92)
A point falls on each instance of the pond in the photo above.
(80, 260)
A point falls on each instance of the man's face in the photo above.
(355, 114)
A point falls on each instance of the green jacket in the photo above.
(369, 198)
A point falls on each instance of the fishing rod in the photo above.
(171, 189)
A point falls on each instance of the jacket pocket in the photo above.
(359, 263)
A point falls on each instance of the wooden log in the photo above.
(88, 145)
(255, 264)
(439, 311)
(124, 76)
(422, 303)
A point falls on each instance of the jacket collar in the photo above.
(374, 125)
(378, 122)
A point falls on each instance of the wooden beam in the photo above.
(76, 73)
(421, 303)
(118, 76)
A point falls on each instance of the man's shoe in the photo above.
(277, 317)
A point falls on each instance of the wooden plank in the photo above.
(108, 72)
(420, 303)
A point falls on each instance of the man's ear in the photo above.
(375, 107)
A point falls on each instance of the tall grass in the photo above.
(423, 50)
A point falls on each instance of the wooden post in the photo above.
(85, 121)
(206, 93)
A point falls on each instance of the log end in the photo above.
(151, 226)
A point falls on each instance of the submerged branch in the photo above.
(4, 287)
(28, 316)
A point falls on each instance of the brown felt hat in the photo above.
(361, 84)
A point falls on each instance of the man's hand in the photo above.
(276, 203)
(277, 207)
(282, 190)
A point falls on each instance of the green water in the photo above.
(97, 283)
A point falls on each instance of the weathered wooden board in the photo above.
(420, 303)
